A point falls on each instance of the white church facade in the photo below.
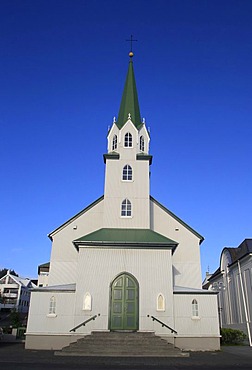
(125, 262)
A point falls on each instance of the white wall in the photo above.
(207, 322)
(39, 320)
(186, 258)
(64, 256)
(97, 269)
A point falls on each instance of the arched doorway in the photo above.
(124, 303)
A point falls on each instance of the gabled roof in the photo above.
(178, 219)
(124, 238)
(215, 274)
(25, 282)
(102, 197)
(237, 253)
(129, 102)
(76, 216)
(244, 249)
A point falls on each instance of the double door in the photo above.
(124, 303)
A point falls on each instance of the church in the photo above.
(125, 262)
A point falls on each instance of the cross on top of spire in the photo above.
(131, 40)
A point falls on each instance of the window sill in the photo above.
(51, 315)
(195, 318)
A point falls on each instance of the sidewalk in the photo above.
(241, 351)
(228, 357)
(10, 338)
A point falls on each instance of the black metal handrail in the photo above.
(163, 324)
(85, 322)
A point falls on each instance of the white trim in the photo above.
(160, 309)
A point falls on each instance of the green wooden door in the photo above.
(124, 303)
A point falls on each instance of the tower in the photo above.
(127, 189)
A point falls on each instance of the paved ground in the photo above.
(14, 356)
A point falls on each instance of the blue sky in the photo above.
(63, 65)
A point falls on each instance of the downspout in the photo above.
(245, 305)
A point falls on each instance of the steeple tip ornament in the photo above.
(131, 52)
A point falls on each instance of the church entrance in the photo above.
(124, 303)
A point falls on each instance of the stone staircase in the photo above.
(122, 344)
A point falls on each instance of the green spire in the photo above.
(129, 102)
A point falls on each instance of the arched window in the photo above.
(142, 143)
(52, 305)
(127, 173)
(126, 208)
(160, 302)
(195, 308)
(87, 302)
(128, 140)
(114, 142)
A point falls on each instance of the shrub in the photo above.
(15, 319)
(232, 336)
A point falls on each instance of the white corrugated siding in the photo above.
(206, 324)
(64, 255)
(186, 258)
(98, 268)
(40, 322)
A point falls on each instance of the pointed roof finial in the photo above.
(131, 40)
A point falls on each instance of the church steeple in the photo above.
(129, 103)
(127, 176)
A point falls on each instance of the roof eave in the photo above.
(132, 245)
(52, 233)
(201, 238)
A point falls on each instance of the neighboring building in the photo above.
(43, 273)
(233, 281)
(15, 293)
(125, 258)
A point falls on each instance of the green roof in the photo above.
(126, 238)
(129, 102)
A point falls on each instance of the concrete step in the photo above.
(124, 344)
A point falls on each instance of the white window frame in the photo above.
(126, 207)
(114, 142)
(127, 173)
(142, 142)
(52, 307)
(128, 140)
(195, 309)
